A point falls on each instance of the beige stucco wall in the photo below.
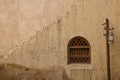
(48, 47)
(115, 48)
(19, 20)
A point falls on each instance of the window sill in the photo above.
(79, 66)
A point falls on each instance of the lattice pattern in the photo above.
(80, 60)
(79, 51)
(79, 42)
(79, 55)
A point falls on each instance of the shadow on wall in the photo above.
(18, 72)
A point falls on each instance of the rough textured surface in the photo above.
(18, 72)
(48, 47)
(19, 20)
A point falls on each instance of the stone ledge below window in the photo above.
(79, 66)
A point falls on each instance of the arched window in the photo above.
(78, 50)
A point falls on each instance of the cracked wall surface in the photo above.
(20, 20)
(48, 47)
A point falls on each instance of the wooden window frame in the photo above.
(85, 59)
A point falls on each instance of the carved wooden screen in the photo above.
(78, 50)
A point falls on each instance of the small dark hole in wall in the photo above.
(27, 69)
(59, 20)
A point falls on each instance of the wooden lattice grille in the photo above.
(78, 50)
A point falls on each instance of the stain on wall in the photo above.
(48, 47)
(19, 20)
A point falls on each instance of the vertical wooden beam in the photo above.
(108, 49)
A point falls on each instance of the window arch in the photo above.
(78, 50)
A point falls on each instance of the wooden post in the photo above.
(108, 50)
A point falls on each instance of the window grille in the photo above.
(78, 50)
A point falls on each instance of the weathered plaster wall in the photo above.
(84, 18)
(115, 48)
(19, 72)
(20, 20)
(8, 24)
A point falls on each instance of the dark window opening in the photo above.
(78, 51)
